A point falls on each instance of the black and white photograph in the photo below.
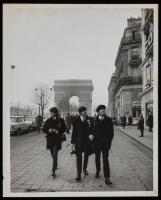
(80, 93)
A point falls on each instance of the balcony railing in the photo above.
(130, 38)
(135, 61)
(127, 81)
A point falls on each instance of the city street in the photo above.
(130, 164)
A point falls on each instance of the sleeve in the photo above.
(74, 132)
(111, 133)
(46, 127)
(62, 127)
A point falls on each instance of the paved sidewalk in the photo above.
(134, 133)
(31, 163)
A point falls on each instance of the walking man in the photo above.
(80, 140)
(54, 127)
(141, 125)
(150, 121)
(123, 121)
(68, 122)
(130, 120)
(103, 134)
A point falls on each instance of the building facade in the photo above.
(147, 63)
(126, 82)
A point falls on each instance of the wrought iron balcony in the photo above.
(132, 39)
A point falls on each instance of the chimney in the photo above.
(132, 21)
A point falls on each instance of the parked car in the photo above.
(135, 121)
(32, 121)
(19, 125)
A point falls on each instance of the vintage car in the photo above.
(18, 125)
(32, 121)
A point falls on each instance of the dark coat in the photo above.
(124, 120)
(103, 131)
(54, 139)
(150, 120)
(141, 123)
(80, 135)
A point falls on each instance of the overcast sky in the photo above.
(47, 43)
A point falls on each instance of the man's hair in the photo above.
(100, 107)
(81, 109)
(54, 110)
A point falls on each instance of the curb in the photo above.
(135, 139)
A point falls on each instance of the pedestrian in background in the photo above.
(68, 122)
(123, 121)
(54, 127)
(150, 121)
(141, 125)
(39, 121)
(129, 120)
(103, 133)
(80, 141)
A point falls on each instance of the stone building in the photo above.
(147, 63)
(126, 82)
(111, 98)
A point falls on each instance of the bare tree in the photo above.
(41, 97)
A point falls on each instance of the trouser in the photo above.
(54, 154)
(142, 132)
(150, 128)
(105, 153)
(79, 162)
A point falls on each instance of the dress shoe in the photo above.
(107, 181)
(85, 172)
(97, 175)
(78, 179)
(53, 174)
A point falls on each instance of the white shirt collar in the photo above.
(101, 118)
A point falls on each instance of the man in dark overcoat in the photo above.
(68, 122)
(150, 121)
(103, 133)
(80, 140)
(54, 127)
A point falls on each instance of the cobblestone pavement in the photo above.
(131, 167)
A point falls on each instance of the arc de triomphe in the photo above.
(65, 89)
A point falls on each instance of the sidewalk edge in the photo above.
(135, 139)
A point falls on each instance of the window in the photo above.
(133, 35)
(135, 53)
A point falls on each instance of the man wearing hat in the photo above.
(102, 137)
(54, 127)
(80, 140)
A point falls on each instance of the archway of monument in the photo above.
(65, 89)
(74, 104)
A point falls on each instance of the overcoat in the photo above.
(52, 138)
(103, 132)
(80, 135)
(141, 123)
